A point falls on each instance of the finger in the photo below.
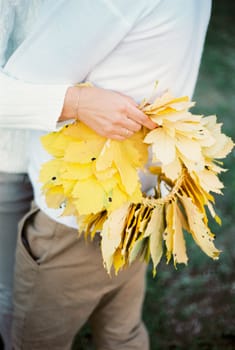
(122, 134)
(131, 124)
(117, 137)
(126, 133)
(140, 117)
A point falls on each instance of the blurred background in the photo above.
(193, 307)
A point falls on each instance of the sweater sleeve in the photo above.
(29, 106)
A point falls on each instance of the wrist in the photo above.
(71, 103)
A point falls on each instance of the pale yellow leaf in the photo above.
(210, 181)
(55, 197)
(169, 231)
(190, 149)
(173, 169)
(199, 230)
(155, 231)
(179, 247)
(112, 234)
(163, 146)
(136, 250)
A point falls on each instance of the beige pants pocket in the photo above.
(36, 236)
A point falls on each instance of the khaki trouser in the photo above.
(60, 283)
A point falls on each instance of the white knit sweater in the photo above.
(22, 105)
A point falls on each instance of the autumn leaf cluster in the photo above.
(96, 179)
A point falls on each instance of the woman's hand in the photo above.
(110, 114)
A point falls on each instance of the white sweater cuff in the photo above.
(30, 106)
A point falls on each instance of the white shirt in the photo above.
(120, 45)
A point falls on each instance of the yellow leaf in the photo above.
(89, 196)
(172, 170)
(116, 199)
(89, 224)
(221, 148)
(179, 248)
(69, 209)
(50, 171)
(135, 151)
(105, 158)
(76, 171)
(200, 232)
(136, 250)
(83, 151)
(155, 231)
(68, 186)
(98, 224)
(210, 181)
(131, 229)
(135, 232)
(128, 173)
(118, 260)
(213, 213)
(163, 146)
(104, 175)
(55, 197)
(55, 143)
(189, 148)
(112, 233)
(79, 131)
(169, 231)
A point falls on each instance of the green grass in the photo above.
(193, 307)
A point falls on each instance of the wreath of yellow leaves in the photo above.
(96, 179)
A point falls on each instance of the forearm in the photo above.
(29, 106)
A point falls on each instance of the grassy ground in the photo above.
(193, 307)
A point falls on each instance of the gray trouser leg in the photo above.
(15, 198)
